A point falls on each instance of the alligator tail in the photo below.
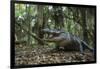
(86, 46)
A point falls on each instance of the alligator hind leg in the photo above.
(80, 47)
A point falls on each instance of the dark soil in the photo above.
(28, 55)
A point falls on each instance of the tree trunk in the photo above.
(39, 21)
(58, 17)
(84, 25)
(29, 25)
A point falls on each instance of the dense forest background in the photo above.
(30, 19)
(79, 21)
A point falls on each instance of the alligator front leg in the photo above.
(81, 49)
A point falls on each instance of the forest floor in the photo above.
(28, 55)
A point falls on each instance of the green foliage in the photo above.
(59, 17)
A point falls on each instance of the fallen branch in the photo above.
(30, 33)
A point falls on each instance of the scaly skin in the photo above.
(65, 40)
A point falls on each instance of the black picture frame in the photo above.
(12, 7)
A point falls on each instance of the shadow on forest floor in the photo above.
(27, 55)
